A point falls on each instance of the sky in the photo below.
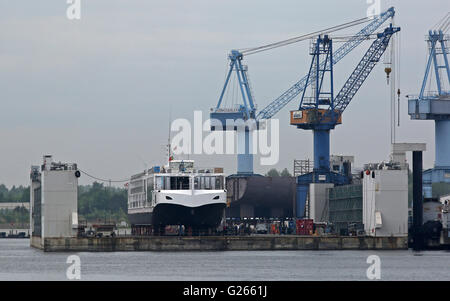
(100, 91)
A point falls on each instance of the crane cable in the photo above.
(249, 51)
(443, 23)
(345, 38)
(103, 180)
(399, 51)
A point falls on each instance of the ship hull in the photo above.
(206, 216)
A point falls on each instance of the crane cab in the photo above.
(307, 118)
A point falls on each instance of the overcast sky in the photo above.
(98, 91)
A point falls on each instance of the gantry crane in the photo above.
(246, 110)
(434, 105)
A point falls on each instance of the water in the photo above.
(20, 262)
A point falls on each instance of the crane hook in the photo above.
(388, 72)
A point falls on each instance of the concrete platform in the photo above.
(217, 243)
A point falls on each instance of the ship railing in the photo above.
(198, 170)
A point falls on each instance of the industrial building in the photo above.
(385, 201)
(377, 206)
(53, 201)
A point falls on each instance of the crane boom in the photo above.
(363, 69)
(279, 103)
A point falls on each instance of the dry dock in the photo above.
(217, 243)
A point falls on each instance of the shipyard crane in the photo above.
(246, 110)
(323, 111)
(434, 105)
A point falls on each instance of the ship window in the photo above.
(149, 184)
(219, 183)
(137, 186)
(149, 190)
(167, 183)
(197, 183)
(208, 183)
(159, 183)
(181, 166)
(179, 183)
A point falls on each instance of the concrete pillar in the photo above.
(417, 200)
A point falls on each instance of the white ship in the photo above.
(177, 194)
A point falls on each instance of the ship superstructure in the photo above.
(177, 194)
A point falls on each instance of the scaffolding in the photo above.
(302, 167)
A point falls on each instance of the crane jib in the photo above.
(362, 70)
(275, 106)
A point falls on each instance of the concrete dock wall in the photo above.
(217, 243)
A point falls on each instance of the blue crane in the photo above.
(322, 112)
(246, 111)
(435, 104)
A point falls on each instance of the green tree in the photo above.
(97, 202)
(272, 173)
(19, 215)
(285, 173)
(15, 194)
(94, 202)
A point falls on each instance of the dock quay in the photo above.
(217, 243)
(14, 231)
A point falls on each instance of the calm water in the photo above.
(20, 262)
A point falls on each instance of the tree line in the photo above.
(275, 173)
(96, 202)
(15, 194)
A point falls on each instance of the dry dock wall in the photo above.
(218, 243)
